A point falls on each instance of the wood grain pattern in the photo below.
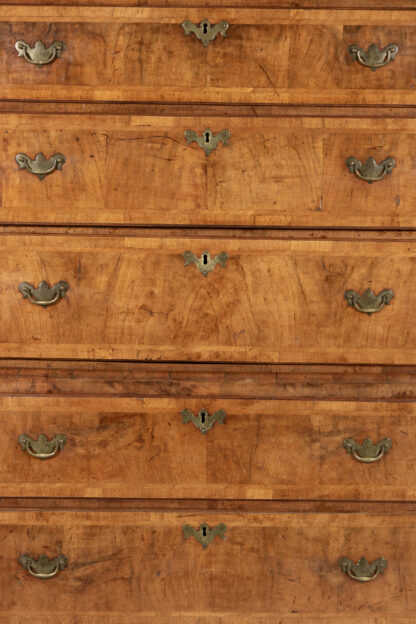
(140, 448)
(270, 56)
(270, 565)
(140, 171)
(276, 301)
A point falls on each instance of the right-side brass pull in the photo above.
(43, 568)
(40, 166)
(373, 57)
(206, 32)
(205, 263)
(204, 535)
(40, 55)
(370, 171)
(44, 295)
(42, 448)
(362, 571)
(367, 452)
(368, 302)
(203, 421)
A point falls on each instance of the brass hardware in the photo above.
(204, 422)
(43, 568)
(44, 295)
(207, 141)
(368, 302)
(362, 571)
(367, 452)
(42, 448)
(204, 535)
(40, 55)
(40, 166)
(373, 57)
(370, 171)
(206, 32)
(205, 263)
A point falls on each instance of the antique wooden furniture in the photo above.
(207, 345)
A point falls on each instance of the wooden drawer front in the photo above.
(269, 565)
(268, 56)
(133, 298)
(135, 448)
(274, 172)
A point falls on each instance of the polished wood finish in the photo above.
(275, 172)
(269, 56)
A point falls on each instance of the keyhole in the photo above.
(202, 417)
(204, 531)
(206, 137)
(205, 28)
(205, 261)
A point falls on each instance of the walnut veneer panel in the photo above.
(140, 448)
(269, 56)
(275, 172)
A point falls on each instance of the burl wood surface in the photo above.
(275, 172)
(140, 448)
(131, 297)
(284, 56)
(139, 567)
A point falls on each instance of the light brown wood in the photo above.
(270, 565)
(275, 172)
(140, 448)
(276, 56)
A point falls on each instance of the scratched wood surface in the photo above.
(269, 565)
(274, 172)
(269, 56)
(270, 450)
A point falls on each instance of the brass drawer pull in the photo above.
(368, 302)
(205, 263)
(367, 452)
(207, 141)
(40, 55)
(203, 421)
(373, 57)
(362, 571)
(43, 568)
(204, 535)
(206, 32)
(40, 166)
(44, 295)
(42, 448)
(370, 171)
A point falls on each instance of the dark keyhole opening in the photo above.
(202, 417)
(205, 259)
(204, 531)
(205, 28)
(206, 137)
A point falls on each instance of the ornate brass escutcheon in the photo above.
(370, 171)
(40, 166)
(362, 571)
(368, 302)
(205, 263)
(204, 535)
(206, 32)
(40, 55)
(203, 421)
(42, 448)
(44, 295)
(43, 568)
(373, 57)
(367, 452)
(207, 141)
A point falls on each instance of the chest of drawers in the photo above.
(207, 256)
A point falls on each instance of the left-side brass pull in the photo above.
(203, 421)
(367, 452)
(43, 568)
(42, 448)
(40, 55)
(41, 166)
(206, 32)
(370, 171)
(207, 141)
(373, 57)
(205, 263)
(368, 302)
(44, 295)
(362, 571)
(204, 535)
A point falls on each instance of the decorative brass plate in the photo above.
(373, 57)
(44, 295)
(43, 568)
(207, 141)
(205, 263)
(42, 448)
(362, 571)
(204, 535)
(367, 452)
(370, 171)
(204, 422)
(368, 302)
(206, 32)
(40, 55)
(40, 166)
